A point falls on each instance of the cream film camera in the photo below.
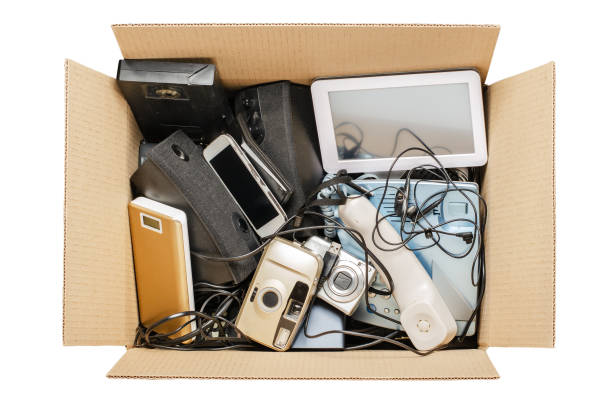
(343, 276)
(280, 292)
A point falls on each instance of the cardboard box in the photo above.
(519, 186)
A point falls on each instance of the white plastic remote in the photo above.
(424, 315)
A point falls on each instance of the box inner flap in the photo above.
(519, 187)
(248, 54)
(450, 364)
(101, 153)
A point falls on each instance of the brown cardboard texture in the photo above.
(248, 54)
(101, 142)
(101, 149)
(367, 364)
(519, 187)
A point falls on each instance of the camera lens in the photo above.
(343, 280)
(270, 299)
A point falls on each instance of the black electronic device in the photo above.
(167, 96)
(280, 121)
(176, 174)
(143, 150)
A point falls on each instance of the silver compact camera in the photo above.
(343, 279)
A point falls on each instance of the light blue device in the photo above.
(322, 318)
(452, 276)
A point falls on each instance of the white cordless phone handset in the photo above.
(424, 315)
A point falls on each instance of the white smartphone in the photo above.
(243, 182)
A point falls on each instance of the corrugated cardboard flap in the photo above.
(519, 187)
(101, 150)
(247, 54)
(449, 364)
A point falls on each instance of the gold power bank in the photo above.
(162, 264)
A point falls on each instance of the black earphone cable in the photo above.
(216, 322)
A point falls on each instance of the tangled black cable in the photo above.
(212, 330)
(430, 230)
(208, 326)
(347, 151)
(228, 334)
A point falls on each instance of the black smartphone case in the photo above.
(274, 178)
(280, 120)
(175, 173)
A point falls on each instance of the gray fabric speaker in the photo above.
(175, 173)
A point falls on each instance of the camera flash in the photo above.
(282, 337)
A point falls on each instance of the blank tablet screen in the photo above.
(377, 123)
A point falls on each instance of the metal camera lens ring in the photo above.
(269, 299)
(355, 288)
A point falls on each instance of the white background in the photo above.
(36, 38)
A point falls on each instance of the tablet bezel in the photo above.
(327, 138)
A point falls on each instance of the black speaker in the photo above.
(175, 173)
(167, 96)
(281, 121)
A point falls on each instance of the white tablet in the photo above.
(365, 122)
